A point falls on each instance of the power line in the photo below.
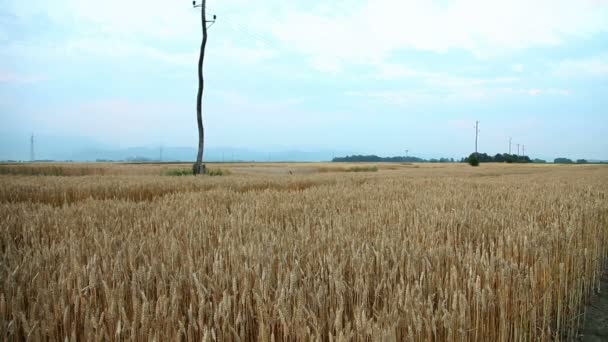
(245, 30)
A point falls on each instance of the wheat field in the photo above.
(300, 252)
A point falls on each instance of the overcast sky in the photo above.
(376, 76)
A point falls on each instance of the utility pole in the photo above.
(199, 167)
(523, 150)
(160, 157)
(517, 149)
(476, 135)
(32, 156)
(510, 139)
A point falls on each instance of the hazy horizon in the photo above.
(375, 77)
(83, 149)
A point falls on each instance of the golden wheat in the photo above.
(499, 253)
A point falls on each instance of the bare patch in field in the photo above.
(596, 315)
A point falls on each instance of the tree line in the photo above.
(569, 161)
(500, 158)
(479, 157)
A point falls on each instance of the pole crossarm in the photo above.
(195, 5)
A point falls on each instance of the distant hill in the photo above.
(398, 159)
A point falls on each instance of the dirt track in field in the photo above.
(596, 316)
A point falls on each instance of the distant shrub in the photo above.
(563, 161)
(473, 160)
(217, 172)
(177, 172)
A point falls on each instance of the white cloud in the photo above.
(453, 82)
(331, 35)
(397, 97)
(155, 18)
(11, 77)
(594, 66)
(165, 31)
(394, 71)
(373, 30)
(245, 104)
(517, 68)
(243, 54)
(454, 92)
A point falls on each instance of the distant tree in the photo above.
(510, 158)
(581, 161)
(563, 161)
(539, 161)
(500, 158)
(473, 159)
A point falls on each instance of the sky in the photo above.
(379, 77)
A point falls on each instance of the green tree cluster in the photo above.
(563, 161)
(498, 158)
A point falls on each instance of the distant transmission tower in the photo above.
(476, 135)
(523, 150)
(32, 156)
(510, 139)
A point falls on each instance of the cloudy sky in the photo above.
(376, 76)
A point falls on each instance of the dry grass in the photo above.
(358, 168)
(497, 253)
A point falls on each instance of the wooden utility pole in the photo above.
(199, 167)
